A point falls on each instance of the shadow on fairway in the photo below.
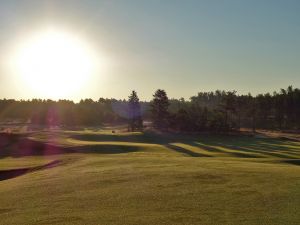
(292, 161)
(186, 151)
(143, 138)
(20, 146)
(9, 174)
(192, 145)
(230, 145)
(104, 149)
(252, 147)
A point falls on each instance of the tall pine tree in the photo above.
(135, 121)
(160, 114)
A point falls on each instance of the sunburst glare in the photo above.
(54, 63)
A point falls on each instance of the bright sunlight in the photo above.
(55, 64)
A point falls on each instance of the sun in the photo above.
(55, 64)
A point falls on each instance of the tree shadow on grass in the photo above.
(256, 147)
(262, 149)
(238, 146)
(239, 154)
(147, 137)
(292, 161)
(28, 147)
(105, 149)
(128, 137)
(235, 146)
(9, 174)
(186, 151)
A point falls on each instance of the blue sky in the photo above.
(181, 46)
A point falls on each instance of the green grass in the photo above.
(147, 178)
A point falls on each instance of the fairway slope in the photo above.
(148, 178)
(9, 174)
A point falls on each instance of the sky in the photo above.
(183, 47)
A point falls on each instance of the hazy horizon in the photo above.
(183, 47)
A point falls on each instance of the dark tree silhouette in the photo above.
(206, 111)
(159, 109)
(229, 106)
(135, 121)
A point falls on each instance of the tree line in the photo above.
(206, 111)
(225, 110)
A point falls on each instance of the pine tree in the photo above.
(135, 121)
(160, 114)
